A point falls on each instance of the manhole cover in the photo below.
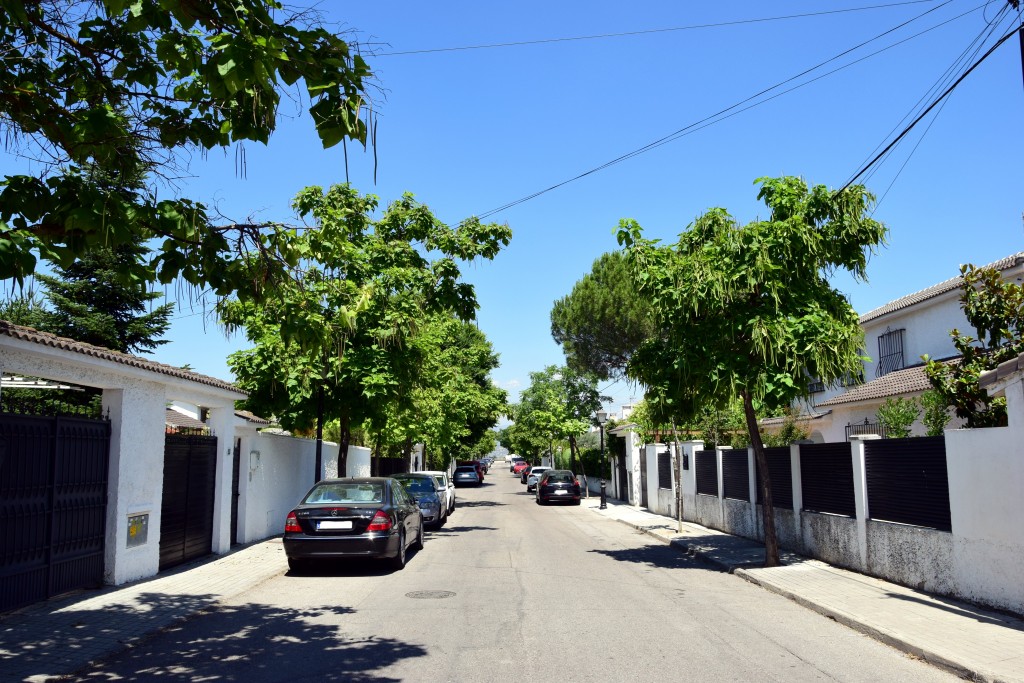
(430, 595)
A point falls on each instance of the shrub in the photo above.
(936, 413)
(898, 415)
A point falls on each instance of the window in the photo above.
(664, 470)
(890, 352)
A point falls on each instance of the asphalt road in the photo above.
(511, 589)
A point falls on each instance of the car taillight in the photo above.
(292, 524)
(380, 522)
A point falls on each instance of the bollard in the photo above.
(604, 494)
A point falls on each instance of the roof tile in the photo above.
(46, 339)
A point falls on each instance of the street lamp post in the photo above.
(602, 417)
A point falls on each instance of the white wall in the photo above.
(277, 470)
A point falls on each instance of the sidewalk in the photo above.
(971, 642)
(57, 637)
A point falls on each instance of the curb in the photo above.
(894, 641)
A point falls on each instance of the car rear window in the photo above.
(560, 478)
(417, 484)
(466, 469)
(346, 493)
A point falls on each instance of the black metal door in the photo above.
(186, 511)
(643, 477)
(53, 504)
(236, 467)
(623, 481)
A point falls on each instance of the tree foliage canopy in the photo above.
(995, 309)
(97, 91)
(748, 311)
(603, 321)
(344, 329)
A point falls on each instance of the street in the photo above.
(510, 588)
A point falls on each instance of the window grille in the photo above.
(890, 352)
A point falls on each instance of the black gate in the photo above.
(780, 474)
(826, 474)
(736, 474)
(643, 477)
(53, 505)
(707, 473)
(907, 481)
(186, 512)
(623, 480)
(236, 490)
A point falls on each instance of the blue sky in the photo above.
(471, 130)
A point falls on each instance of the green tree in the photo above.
(995, 309)
(454, 404)
(89, 301)
(898, 415)
(336, 336)
(96, 91)
(603, 320)
(936, 413)
(559, 404)
(748, 311)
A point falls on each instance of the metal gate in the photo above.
(53, 505)
(623, 480)
(186, 511)
(643, 477)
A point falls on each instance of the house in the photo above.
(896, 336)
(111, 499)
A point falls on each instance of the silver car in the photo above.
(534, 477)
(423, 489)
(445, 486)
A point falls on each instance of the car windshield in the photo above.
(363, 492)
(417, 484)
(440, 481)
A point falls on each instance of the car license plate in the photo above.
(332, 524)
(561, 492)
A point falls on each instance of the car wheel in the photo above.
(576, 502)
(398, 561)
(298, 566)
(418, 545)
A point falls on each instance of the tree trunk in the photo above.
(572, 453)
(319, 460)
(677, 468)
(407, 454)
(771, 542)
(346, 436)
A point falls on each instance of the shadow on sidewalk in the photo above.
(255, 642)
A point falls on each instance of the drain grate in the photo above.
(430, 595)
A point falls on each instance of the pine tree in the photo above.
(91, 302)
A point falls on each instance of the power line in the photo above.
(692, 27)
(969, 53)
(930, 107)
(723, 114)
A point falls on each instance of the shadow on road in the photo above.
(476, 504)
(655, 556)
(450, 530)
(255, 642)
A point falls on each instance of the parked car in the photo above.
(518, 466)
(444, 482)
(353, 517)
(480, 469)
(466, 475)
(558, 485)
(426, 492)
(534, 476)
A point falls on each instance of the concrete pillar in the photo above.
(796, 481)
(135, 479)
(860, 494)
(222, 425)
(721, 481)
(752, 493)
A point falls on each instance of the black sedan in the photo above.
(355, 517)
(558, 485)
